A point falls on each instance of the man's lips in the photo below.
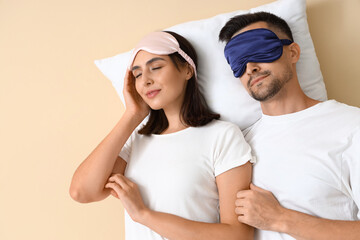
(152, 93)
(258, 79)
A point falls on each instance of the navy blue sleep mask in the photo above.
(257, 45)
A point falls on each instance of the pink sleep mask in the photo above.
(160, 43)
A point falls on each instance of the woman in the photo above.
(183, 167)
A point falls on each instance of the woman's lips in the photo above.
(152, 93)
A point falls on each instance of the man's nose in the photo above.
(252, 67)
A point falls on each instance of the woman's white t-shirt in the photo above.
(176, 172)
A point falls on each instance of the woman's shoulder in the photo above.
(223, 133)
(221, 126)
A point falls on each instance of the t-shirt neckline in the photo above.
(296, 115)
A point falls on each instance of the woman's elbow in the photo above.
(82, 195)
(78, 195)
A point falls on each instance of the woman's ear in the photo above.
(294, 52)
(189, 72)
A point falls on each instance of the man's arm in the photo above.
(260, 209)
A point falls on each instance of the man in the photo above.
(308, 152)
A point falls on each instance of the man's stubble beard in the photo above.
(274, 86)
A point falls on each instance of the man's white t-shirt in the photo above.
(176, 172)
(310, 161)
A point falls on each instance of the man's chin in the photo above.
(261, 97)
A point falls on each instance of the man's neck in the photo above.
(286, 102)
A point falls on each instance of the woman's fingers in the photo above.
(114, 194)
(129, 85)
(128, 77)
(129, 194)
(117, 183)
(121, 180)
(133, 100)
(116, 190)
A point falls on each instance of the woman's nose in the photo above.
(147, 79)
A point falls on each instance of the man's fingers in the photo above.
(240, 202)
(240, 210)
(256, 188)
(243, 193)
(244, 219)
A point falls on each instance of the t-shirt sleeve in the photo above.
(231, 150)
(351, 156)
(126, 150)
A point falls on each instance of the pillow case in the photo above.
(223, 92)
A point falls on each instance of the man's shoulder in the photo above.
(330, 114)
(339, 106)
(340, 112)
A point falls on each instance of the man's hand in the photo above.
(258, 208)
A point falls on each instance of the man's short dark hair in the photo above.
(241, 21)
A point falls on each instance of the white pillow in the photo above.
(223, 92)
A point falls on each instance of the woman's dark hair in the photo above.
(241, 21)
(194, 110)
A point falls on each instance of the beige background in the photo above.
(56, 106)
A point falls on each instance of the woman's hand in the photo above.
(135, 105)
(129, 194)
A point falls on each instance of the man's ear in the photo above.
(294, 52)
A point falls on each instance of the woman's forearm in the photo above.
(90, 177)
(177, 228)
